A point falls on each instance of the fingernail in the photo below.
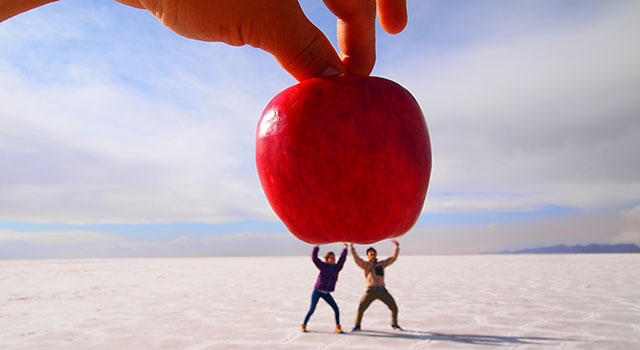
(331, 70)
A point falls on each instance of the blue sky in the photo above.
(119, 138)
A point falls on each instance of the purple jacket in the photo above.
(328, 273)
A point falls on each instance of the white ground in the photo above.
(445, 302)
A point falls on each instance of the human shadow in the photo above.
(475, 339)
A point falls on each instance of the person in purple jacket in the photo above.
(326, 283)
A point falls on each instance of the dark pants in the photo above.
(314, 301)
(384, 296)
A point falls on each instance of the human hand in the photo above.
(395, 241)
(282, 29)
(278, 27)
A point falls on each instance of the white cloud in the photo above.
(122, 129)
(426, 238)
(100, 152)
(60, 244)
(544, 119)
(631, 226)
(90, 244)
(473, 238)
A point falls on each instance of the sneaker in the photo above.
(396, 327)
(303, 328)
(338, 329)
(355, 328)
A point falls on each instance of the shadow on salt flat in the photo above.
(461, 338)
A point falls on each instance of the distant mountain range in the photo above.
(577, 249)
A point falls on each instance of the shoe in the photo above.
(303, 328)
(396, 327)
(355, 328)
(338, 329)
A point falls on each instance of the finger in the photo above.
(297, 44)
(356, 33)
(392, 15)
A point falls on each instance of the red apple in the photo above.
(344, 159)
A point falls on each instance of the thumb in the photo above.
(300, 47)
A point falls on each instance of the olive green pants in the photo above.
(384, 296)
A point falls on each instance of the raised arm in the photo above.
(356, 258)
(390, 260)
(314, 257)
(343, 257)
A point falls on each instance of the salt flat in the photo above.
(445, 302)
